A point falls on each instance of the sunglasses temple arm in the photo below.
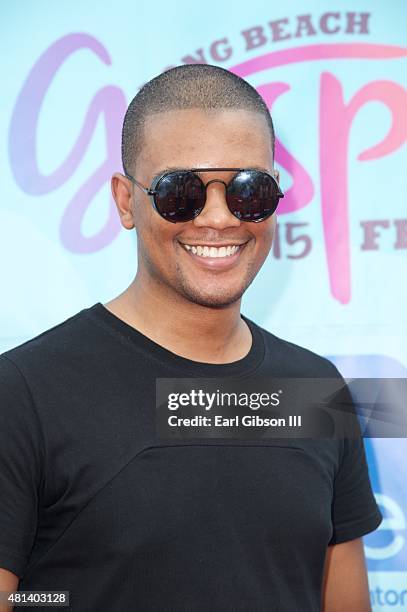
(145, 189)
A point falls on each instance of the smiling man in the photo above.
(92, 501)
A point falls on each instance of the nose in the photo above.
(216, 213)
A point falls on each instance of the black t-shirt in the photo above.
(94, 503)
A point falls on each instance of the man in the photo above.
(92, 500)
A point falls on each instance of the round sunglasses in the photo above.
(180, 195)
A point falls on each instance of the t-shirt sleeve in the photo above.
(355, 511)
(21, 455)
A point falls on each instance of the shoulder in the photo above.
(291, 359)
(49, 347)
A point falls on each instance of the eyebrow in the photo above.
(177, 168)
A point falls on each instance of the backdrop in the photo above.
(333, 75)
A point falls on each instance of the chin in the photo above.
(214, 300)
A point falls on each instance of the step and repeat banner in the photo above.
(334, 77)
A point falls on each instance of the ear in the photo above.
(122, 192)
(276, 174)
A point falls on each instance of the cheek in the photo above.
(264, 233)
(151, 230)
(156, 241)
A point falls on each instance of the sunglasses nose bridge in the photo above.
(216, 181)
(216, 212)
(219, 195)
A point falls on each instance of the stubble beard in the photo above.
(219, 297)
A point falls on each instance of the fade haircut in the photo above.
(188, 86)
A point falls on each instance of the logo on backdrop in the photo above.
(336, 117)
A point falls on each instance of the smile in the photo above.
(211, 251)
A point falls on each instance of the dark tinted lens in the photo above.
(180, 196)
(252, 195)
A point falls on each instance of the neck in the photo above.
(199, 333)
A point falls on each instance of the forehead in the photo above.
(199, 138)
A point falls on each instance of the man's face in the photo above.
(194, 138)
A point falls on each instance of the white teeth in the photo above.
(205, 251)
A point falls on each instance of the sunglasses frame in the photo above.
(152, 191)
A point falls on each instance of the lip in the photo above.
(218, 245)
(215, 263)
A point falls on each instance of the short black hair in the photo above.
(188, 86)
